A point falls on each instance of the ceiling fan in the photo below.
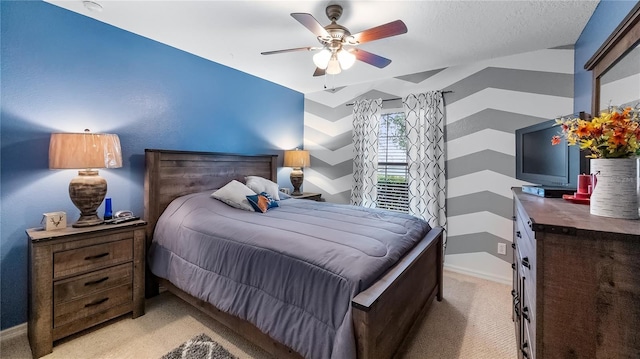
(339, 48)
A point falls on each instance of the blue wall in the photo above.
(606, 17)
(63, 72)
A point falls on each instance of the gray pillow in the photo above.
(260, 184)
(235, 195)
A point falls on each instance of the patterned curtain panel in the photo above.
(425, 119)
(366, 120)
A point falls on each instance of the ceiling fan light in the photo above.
(346, 59)
(321, 59)
(334, 67)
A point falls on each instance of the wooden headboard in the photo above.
(171, 174)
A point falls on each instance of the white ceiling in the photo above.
(440, 33)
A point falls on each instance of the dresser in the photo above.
(80, 277)
(576, 281)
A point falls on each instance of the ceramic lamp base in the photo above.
(87, 191)
(296, 180)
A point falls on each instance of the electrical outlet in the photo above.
(502, 248)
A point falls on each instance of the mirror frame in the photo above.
(621, 40)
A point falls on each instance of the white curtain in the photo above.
(425, 119)
(366, 121)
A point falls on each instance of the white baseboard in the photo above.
(10, 333)
(491, 277)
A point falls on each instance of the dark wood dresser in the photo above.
(80, 277)
(576, 281)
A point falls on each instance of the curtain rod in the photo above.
(396, 98)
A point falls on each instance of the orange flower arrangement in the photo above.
(614, 134)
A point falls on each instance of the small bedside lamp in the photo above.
(296, 159)
(86, 152)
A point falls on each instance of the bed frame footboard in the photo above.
(384, 314)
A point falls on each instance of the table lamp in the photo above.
(86, 152)
(296, 159)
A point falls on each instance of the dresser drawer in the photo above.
(76, 287)
(89, 258)
(528, 286)
(526, 221)
(528, 304)
(80, 308)
(527, 347)
(526, 246)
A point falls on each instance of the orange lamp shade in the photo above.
(84, 151)
(296, 158)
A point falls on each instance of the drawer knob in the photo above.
(97, 302)
(96, 256)
(513, 245)
(97, 281)
(518, 234)
(525, 262)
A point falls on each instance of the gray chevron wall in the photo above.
(490, 100)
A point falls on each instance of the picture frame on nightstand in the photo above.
(52, 221)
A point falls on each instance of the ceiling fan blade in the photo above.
(319, 72)
(371, 59)
(380, 32)
(308, 48)
(310, 23)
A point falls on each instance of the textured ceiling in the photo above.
(440, 33)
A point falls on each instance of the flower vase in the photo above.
(615, 193)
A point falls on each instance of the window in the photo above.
(393, 190)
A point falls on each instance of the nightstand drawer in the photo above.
(78, 309)
(76, 287)
(85, 259)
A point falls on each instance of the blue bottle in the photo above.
(107, 209)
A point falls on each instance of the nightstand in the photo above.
(80, 277)
(310, 195)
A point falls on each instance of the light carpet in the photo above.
(472, 322)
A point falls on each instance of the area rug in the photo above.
(199, 347)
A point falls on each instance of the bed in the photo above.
(381, 314)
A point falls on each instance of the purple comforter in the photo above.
(291, 271)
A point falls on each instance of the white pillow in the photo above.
(259, 185)
(235, 195)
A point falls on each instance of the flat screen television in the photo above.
(543, 164)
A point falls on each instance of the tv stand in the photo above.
(548, 192)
